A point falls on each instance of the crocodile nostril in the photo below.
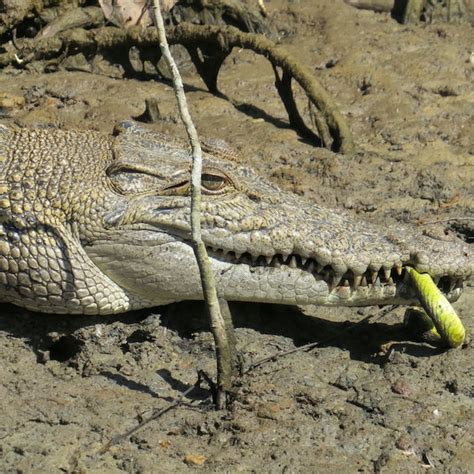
(445, 284)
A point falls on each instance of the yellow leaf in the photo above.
(195, 459)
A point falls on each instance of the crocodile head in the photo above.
(264, 244)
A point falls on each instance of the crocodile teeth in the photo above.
(335, 280)
(319, 267)
(363, 281)
(357, 281)
(292, 263)
(269, 260)
(375, 267)
(373, 277)
(398, 269)
(303, 260)
(386, 273)
(310, 267)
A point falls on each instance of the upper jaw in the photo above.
(386, 286)
(360, 257)
(351, 249)
(358, 262)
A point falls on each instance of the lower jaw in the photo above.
(390, 286)
(372, 300)
(378, 296)
(316, 292)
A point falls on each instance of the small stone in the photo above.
(404, 443)
(400, 387)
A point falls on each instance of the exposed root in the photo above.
(339, 137)
(13, 12)
(414, 11)
(73, 18)
(332, 129)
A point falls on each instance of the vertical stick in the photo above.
(219, 330)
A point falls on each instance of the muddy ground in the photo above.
(70, 384)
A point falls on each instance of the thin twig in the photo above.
(441, 221)
(217, 323)
(145, 7)
(459, 443)
(312, 345)
(14, 42)
(157, 414)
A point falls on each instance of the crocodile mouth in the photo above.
(370, 279)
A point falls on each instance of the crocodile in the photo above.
(92, 223)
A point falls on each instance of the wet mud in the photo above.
(370, 397)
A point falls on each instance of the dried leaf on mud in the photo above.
(127, 13)
(195, 459)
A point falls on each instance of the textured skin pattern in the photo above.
(91, 223)
(48, 194)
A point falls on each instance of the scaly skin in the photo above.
(92, 224)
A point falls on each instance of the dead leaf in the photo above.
(127, 13)
(195, 459)
(164, 443)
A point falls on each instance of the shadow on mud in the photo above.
(363, 339)
(54, 334)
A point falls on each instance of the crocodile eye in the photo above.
(213, 182)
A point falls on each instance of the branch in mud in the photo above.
(14, 12)
(73, 18)
(414, 11)
(229, 37)
(331, 126)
